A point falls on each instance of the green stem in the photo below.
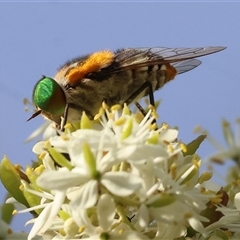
(123, 217)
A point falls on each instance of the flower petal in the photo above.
(106, 212)
(143, 216)
(85, 196)
(168, 135)
(60, 180)
(121, 183)
(42, 219)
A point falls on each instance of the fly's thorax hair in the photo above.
(81, 97)
(88, 94)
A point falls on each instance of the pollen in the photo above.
(14, 212)
(99, 114)
(94, 63)
(183, 147)
(120, 121)
(116, 107)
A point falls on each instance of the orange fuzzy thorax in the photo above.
(93, 63)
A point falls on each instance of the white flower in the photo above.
(89, 170)
(125, 181)
(107, 223)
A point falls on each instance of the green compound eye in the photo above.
(49, 96)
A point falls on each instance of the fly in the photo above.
(124, 76)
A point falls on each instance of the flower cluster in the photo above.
(126, 180)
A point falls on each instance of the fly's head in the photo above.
(49, 99)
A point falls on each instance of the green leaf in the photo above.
(32, 199)
(7, 210)
(221, 234)
(11, 180)
(194, 145)
(59, 158)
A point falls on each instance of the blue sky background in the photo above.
(36, 38)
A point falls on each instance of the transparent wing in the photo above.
(186, 65)
(178, 54)
(139, 57)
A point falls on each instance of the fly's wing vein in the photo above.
(140, 57)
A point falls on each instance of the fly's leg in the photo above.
(142, 88)
(140, 108)
(139, 91)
